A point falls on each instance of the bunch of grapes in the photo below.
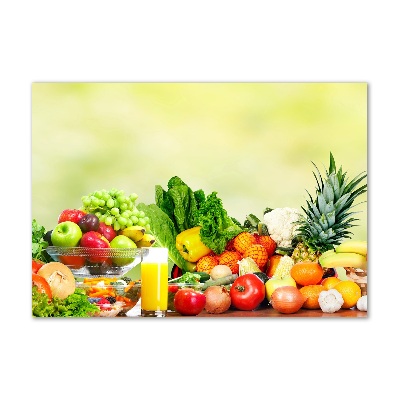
(116, 209)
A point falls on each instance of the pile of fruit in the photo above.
(107, 220)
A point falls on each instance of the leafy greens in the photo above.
(38, 243)
(180, 203)
(164, 231)
(217, 228)
(75, 305)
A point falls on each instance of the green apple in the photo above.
(122, 242)
(274, 283)
(66, 234)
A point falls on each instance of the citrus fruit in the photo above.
(350, 292)
(307, 273)
(230, 258)
(259, 254)
(330, 282)
(206, 263)
(268, 243)
(311, 293)
(244, 240)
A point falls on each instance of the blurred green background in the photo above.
(252, 143)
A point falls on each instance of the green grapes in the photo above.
(115, 209)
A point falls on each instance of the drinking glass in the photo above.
(154, 282)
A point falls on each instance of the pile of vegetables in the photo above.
(189, 223)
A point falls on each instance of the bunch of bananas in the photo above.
(349, 254)
(138, 234)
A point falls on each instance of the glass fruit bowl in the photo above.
(113, 296)
(91, 262)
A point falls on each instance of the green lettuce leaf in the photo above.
(75, 305)
(180, 203)
(217, 228)
(164, 231)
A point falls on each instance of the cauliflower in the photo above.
(362, 303)
(330, 301)
(282, 225)
(284, 267)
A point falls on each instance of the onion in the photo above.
(220, 271)
(287, 299)
(218, 299)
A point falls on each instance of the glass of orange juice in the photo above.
(154, 282)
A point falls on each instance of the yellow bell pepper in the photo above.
(190, 246)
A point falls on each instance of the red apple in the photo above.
(107, 231)
(95, 240)
(188, 301)
(71, 214)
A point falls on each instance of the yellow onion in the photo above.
(218, 299)
(287, 299)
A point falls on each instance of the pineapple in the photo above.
(327, 219)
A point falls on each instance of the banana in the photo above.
(146, 241)
(348, 260)
(353, 246)
(135, 232)
(325, 254)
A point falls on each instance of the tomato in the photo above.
(247, 292)
(188, 301)
(173, 288)
(42, 285)
(36, 265)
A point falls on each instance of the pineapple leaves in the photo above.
(332, 164)
(321, 202)
(354, 182)
(328, 192)
(342, 203)
(327, 219)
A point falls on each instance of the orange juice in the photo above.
(154, 282)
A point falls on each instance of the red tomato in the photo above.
(173, 288)
(36, 265)
(188, 301)
(42, 285)
(247, 292)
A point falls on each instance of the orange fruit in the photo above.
(267, 242)
(206, 263)
(230, 258)
(307, 273)
(243, 241)
(259, 254)
(311, 293)
(350, 292)
(330, 282)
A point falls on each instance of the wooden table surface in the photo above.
(263, 312)
(271, 313)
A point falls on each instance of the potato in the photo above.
(220, 271)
